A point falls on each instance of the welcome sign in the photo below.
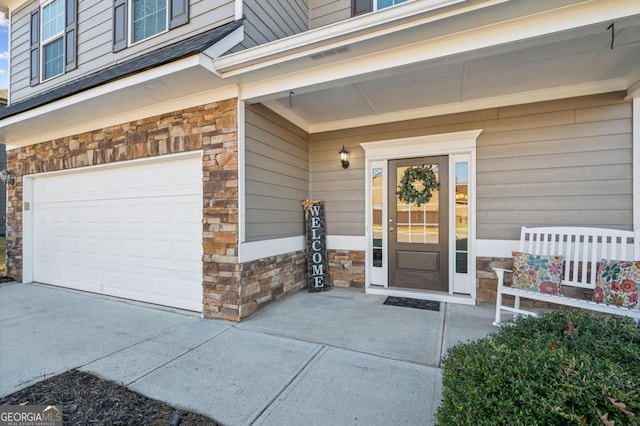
(316, 244)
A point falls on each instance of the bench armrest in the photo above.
(500, 273)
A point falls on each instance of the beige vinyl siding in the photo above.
(566, 162)
(95, 25)
(341, 190)
(325, 12)
(271, 20)
(276, 175)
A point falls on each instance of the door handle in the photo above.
(390, 228)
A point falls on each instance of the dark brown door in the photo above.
(418, 236)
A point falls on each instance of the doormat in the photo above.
(429, 305)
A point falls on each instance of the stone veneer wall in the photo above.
(271, 278)
(211, 128)
(346, 268)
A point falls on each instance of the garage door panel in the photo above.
(74, 276)
(92, 246)
(113, 213)
(112, 247)
(133, 231)
(162, 250)
(73, 245)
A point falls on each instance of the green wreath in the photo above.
(407, 191)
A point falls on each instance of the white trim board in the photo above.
(636, 163)
(254, 250)
(242, 185)
(261, 249)
(496, 248)
(421, 146)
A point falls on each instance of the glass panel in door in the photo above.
(418, 239)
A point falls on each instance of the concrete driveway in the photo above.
(339, 357)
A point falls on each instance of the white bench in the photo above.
(582, 249)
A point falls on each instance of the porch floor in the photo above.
(339, 357)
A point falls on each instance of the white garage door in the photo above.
(132, 231)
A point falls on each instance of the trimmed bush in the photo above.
(565, 367)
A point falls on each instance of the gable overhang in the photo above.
(470, 55)
(124, 92)
(182, 84)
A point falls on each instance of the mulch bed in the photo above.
(90, 400)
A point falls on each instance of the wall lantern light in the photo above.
(5, 177)
(344, 158)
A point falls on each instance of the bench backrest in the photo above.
(582, 249)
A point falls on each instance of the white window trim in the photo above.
(423, 146)
(462, 283)
(44, 4)
(130, 24)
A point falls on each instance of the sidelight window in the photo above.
(462, 217)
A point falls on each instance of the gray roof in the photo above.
(164, 55)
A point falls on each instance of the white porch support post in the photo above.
(636, 163)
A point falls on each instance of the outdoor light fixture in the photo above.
(344, 158)
(5, 177)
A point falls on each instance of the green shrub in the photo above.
(565, 367)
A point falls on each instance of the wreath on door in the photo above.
(407, 190)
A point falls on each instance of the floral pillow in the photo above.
(617, 283)
(541, 273)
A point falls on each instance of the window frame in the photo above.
(376, 8)
(357, 10)
(122, 29)
(131, 26)
(43, 43)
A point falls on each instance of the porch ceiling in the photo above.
(569, 63)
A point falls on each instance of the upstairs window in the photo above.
(52, 39)
(149, 17)
(138, 20)
(381, 4)
(359, 7)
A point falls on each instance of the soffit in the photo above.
(361, 85)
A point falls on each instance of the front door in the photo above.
(418, 235)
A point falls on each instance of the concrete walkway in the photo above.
(340, 357)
